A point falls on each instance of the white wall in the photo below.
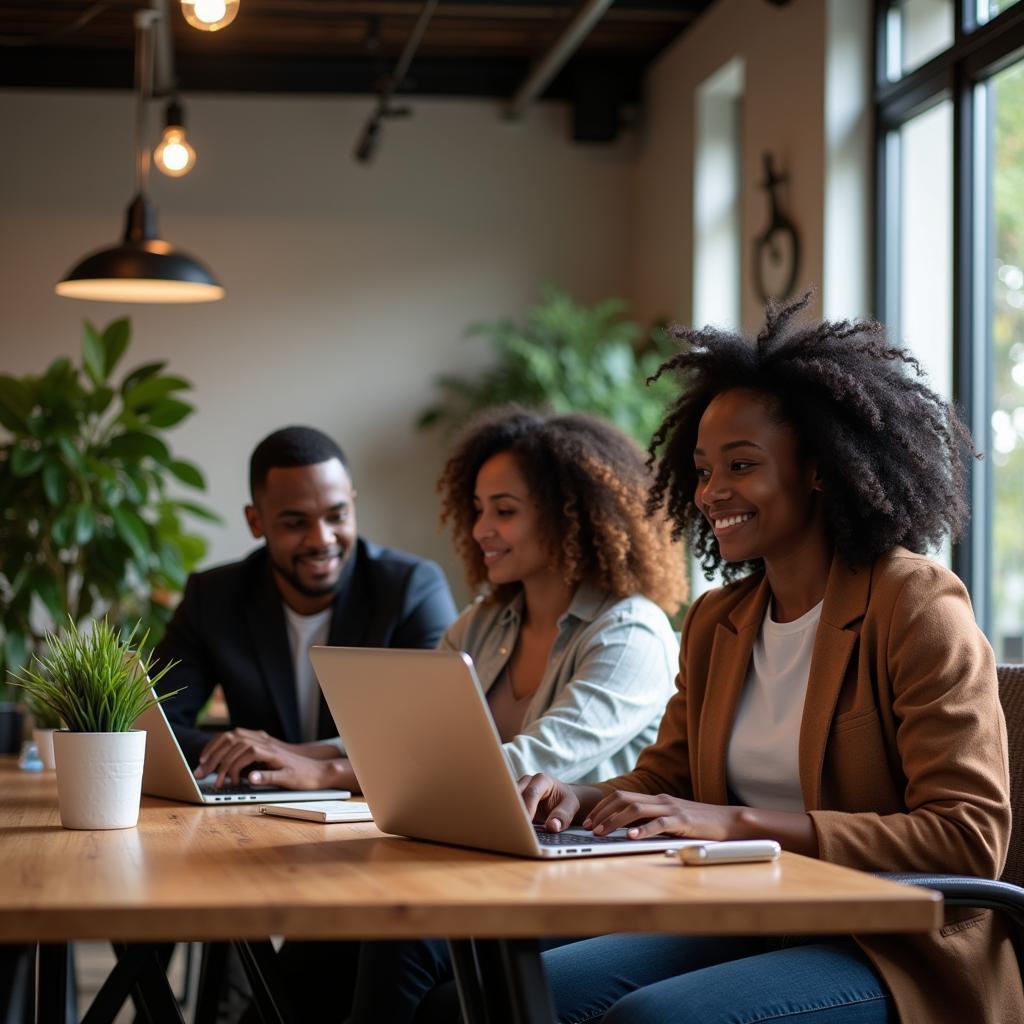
(348, 285)
(784, 52)
(849, 154)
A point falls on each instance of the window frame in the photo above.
(977, 53)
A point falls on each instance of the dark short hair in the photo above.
(890, 452)
(291, 446)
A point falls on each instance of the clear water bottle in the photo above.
(29, 759)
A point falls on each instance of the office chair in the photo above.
(1006, 895)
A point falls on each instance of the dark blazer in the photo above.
(230, 629)
(902, 758)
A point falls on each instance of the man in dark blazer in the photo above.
(247, 626)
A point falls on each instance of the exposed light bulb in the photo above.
(209, 15)
(174, 156)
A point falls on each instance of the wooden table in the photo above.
(189, 873)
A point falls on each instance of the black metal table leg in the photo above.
(467, 981)
(510, 988)
(212, 964)
(527, 982)
(258, 959)
(52, 983)
(140, 972)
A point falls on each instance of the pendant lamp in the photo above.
(143, 268)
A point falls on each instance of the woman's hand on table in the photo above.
(645, 815)
(554, 802)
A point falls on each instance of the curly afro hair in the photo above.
(590, 483)
(891, 453)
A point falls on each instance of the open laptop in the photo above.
(166, 773)
(420, 737)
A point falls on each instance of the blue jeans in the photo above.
(405, 981)
(648, 979)
(666, 979)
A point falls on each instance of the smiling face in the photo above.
(759, 494)
(508, 526)
(307, 515)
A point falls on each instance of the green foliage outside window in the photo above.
(87, 523)
(1006, 441)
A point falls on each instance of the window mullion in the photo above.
(969, 559)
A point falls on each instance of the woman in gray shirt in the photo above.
(571, 639)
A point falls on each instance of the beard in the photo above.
(288, 572)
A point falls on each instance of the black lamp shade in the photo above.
(143, 268)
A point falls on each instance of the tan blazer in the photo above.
(902, 758)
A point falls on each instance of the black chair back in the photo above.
(1011, 696)
(1007, 894)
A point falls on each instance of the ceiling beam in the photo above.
(554, 60)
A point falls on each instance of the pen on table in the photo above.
(736, 851)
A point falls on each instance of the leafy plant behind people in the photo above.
(565, 357)
(88, 523)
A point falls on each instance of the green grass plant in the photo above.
(43, 716)
(93, 681)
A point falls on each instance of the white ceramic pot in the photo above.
(99, 778)
(44, 744)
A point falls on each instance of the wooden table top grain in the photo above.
(189, 872)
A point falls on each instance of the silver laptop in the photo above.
(166, 773)
(420, 737)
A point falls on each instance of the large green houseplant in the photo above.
(564, 356)
(88, 522)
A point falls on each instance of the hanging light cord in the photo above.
(65, 30)
(144, 20)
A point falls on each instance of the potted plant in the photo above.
(89, 521)
(44, 722)
(564, 357)
(97, 685)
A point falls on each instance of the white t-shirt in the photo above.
(305, 631)
(761, 763)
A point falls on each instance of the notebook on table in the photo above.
(420, 737)
(326, 812)
(166, 773)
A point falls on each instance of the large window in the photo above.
(1000, 109)
(923, 297)
(950, 105)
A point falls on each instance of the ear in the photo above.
(809, 469)
(252, 517)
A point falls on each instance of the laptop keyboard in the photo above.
(546, 838)
(242, 789)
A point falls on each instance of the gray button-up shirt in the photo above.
(609, 676)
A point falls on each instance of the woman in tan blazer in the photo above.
(836, 694)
